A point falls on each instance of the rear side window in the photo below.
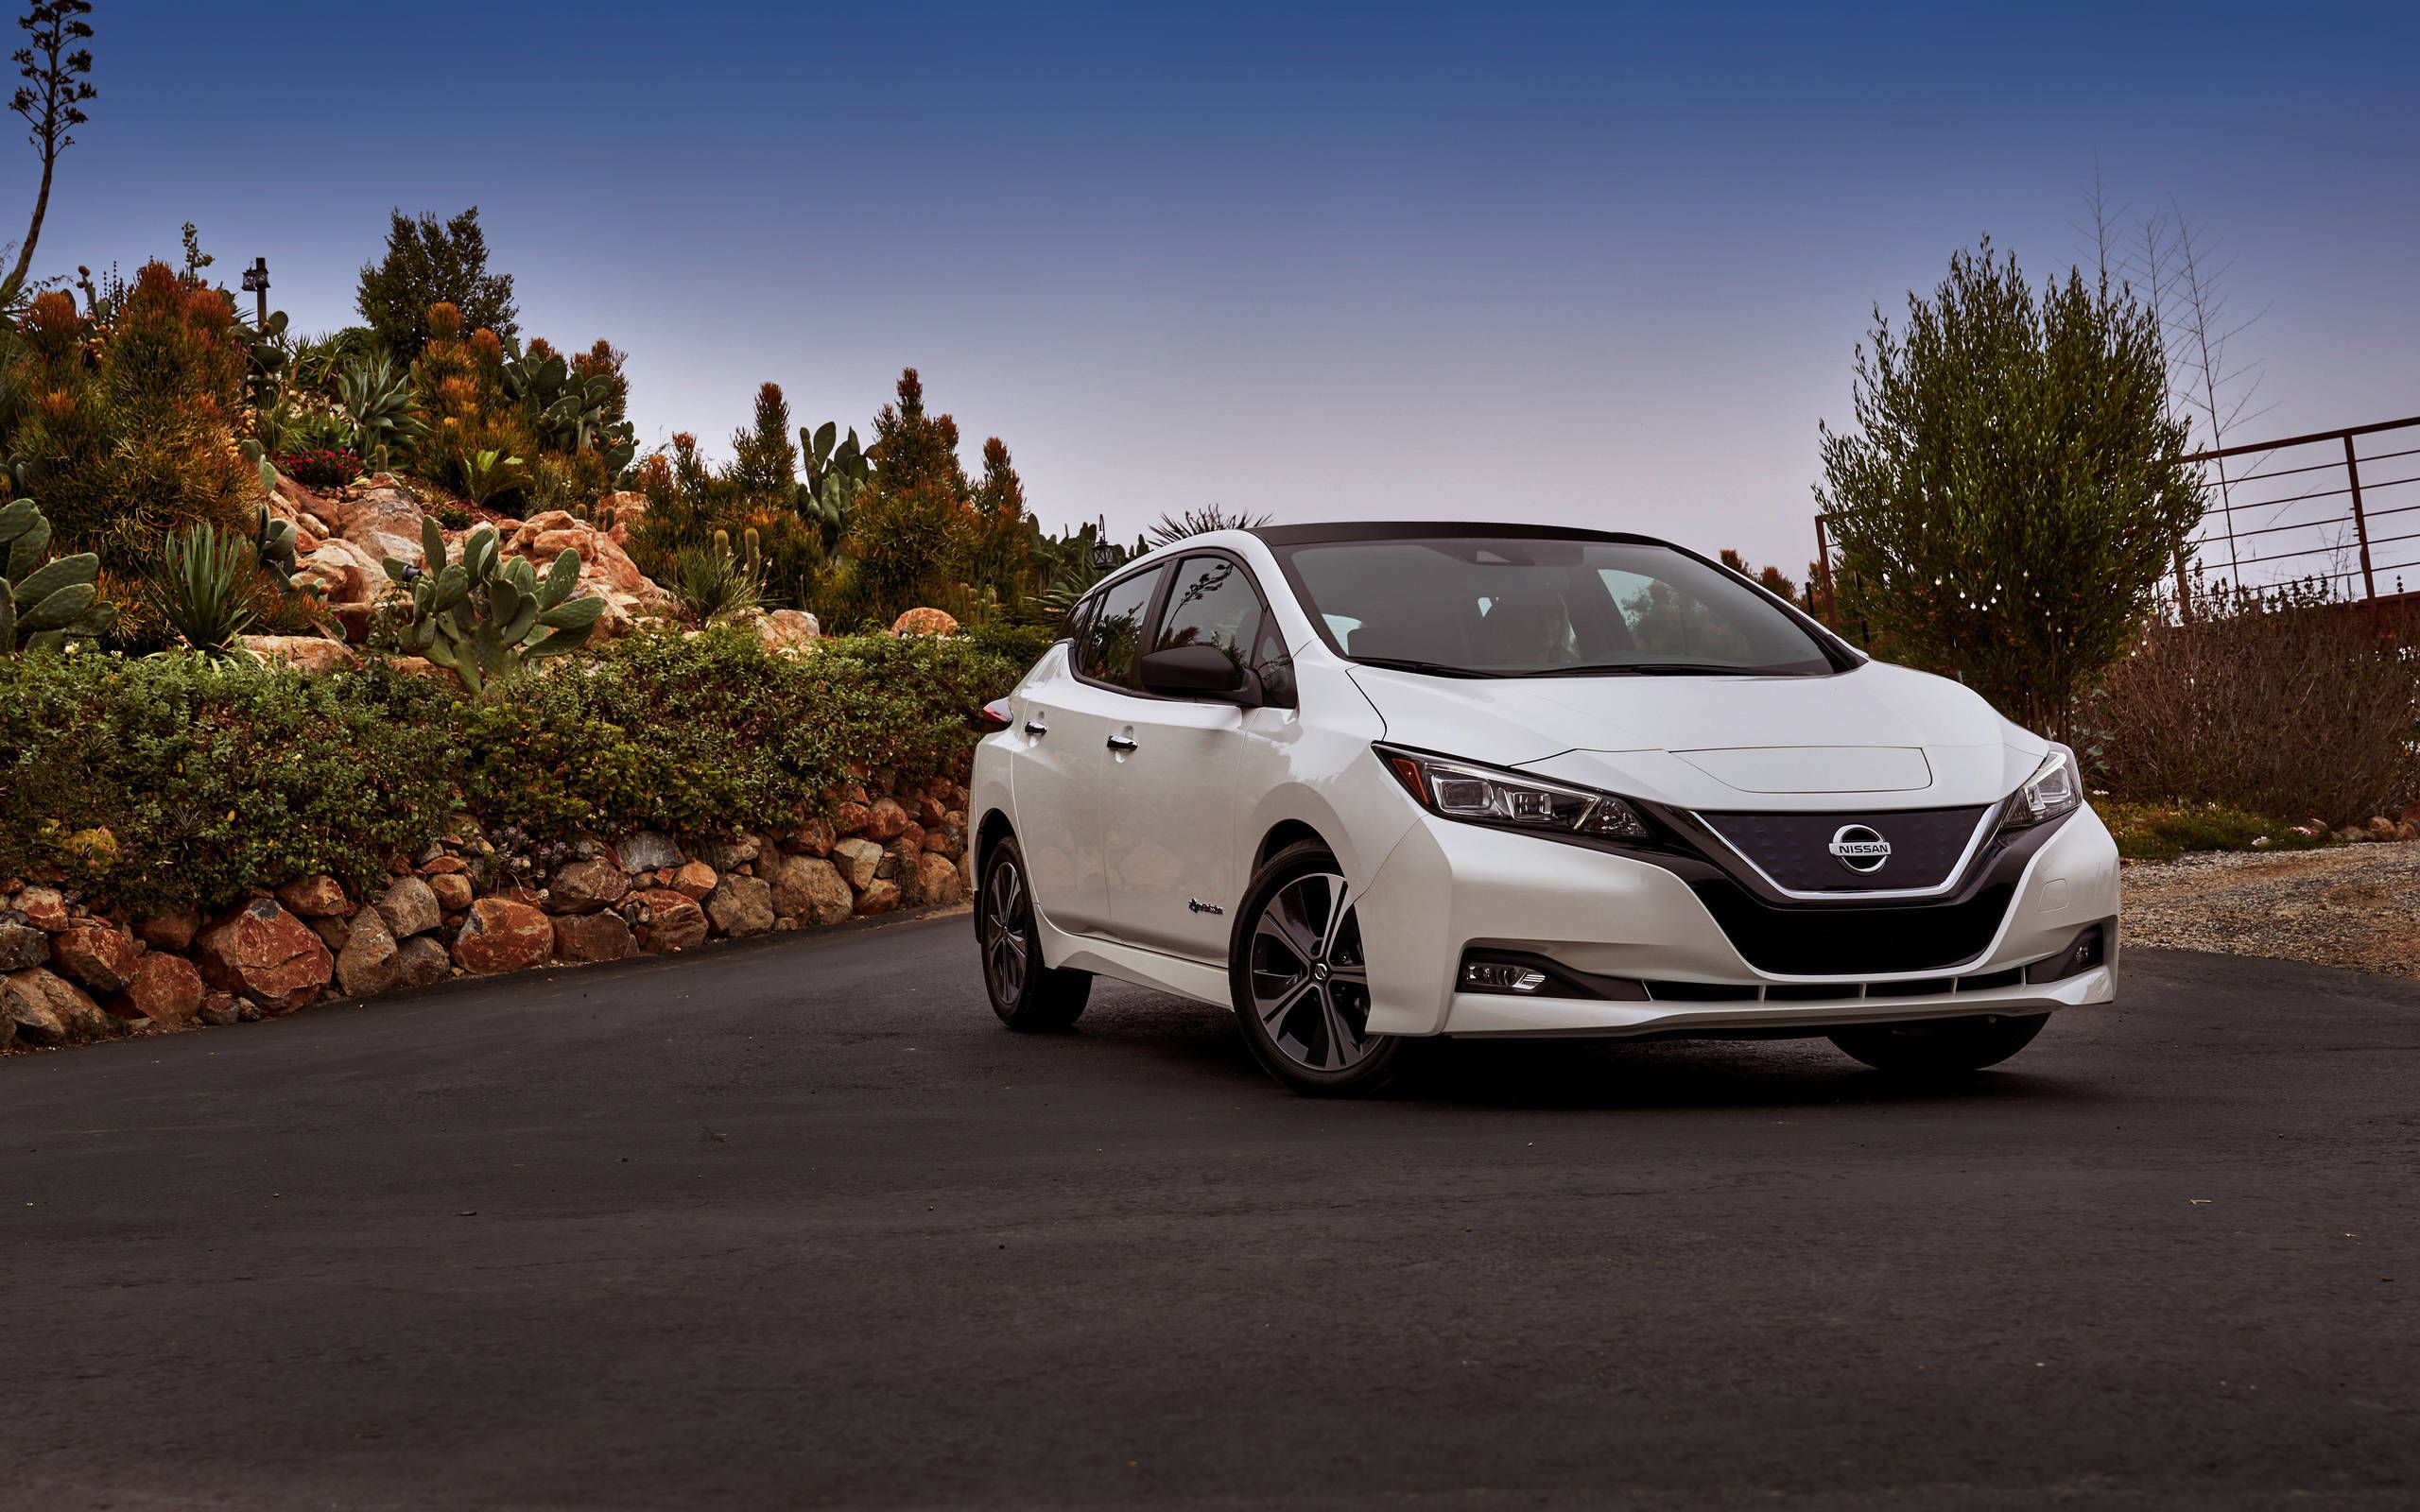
(1110, 640)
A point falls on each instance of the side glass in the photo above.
(1110, 642)
(1214, 603)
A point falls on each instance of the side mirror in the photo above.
(1198, 672)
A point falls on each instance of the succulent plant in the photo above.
(486, 620)
(570, 411)
(378, 400)
(44, 603)
(836, 475)
(202, 587)
(719, 584)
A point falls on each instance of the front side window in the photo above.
(1212, 602)
(1477, 605)
(1110, 641)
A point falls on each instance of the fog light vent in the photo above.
(1501, 976)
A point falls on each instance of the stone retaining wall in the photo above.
(476, 905)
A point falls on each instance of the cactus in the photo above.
(486, 620)
(836, 475)
(567, 408)
(44, 604)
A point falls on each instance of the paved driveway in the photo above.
(796, 1222)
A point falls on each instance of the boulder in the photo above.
(164, 988)
(815, 838)
(857, 859)
(646, 850)
(850, 815)
(810, 889)
(333, 932)
(98, 956)
(593, 937)
(694, 879)
(741, 906)
(421, 961)
(2380, 827)
(368, 962)
(936, 878)
(585, 887)
(886, 820)
(731, 854)
(665, 920)
(503, 936)
(314, 897)
(788, 629)
(452, 889)
(880, 898)
(966, 872)
(924, 622)
(264, 953)
(44, 907)
(46, 1008)
(382, 520)
(305, 653)
(168, 932)
(409, 907)
(22, 946)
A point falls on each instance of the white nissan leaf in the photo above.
(1371, 784)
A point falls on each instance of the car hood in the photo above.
(1877, 736)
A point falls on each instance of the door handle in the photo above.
(1121, 743)
(1036, 729)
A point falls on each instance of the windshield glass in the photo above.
(1480, 606)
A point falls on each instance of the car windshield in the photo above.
(1483, 606)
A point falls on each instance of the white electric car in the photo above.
(1373, 783)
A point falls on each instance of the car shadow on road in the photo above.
(1182, 1036)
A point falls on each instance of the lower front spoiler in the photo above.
(1492, 1015)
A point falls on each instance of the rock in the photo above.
(44, 907)
(2381, 828)
(741, 906)
(266, 954)
(593, 937)
(646, 850)
(966, 872)
(367, 963)
(694, 878)
(665, 920)
(924, 622)
(50, 1009)
(409, 907)
(422, 961)
(310, 654)
(164, 988)
(731, 854)
(344, 573)
(382, 520)
(939, 842)
(881, 898)
(2406, 830)
(503, 936)
(2351, 833)
(584, 886)
(314, 897)
(333, 933)
(848, 816)
(811, 890)
(438, 866)
(788, 629)
(936, 878)
(221, 1010)
(98, 956)
(452, 890)
(888, 867)
(168, 932)
(856, 858)
(929, 810)
(815, 838)
(22, 947)
(885, 819)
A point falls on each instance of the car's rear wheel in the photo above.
(1301, 983)
(1026, 994)
(1936, 1045)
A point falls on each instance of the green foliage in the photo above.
(2162, 832)
(486, 620)
(204, 587)
(1170, 528)
(715, 583)
(429, 263)
(377, 403)
(45, 601)
(837, 472)
(489, 476)
(2014, 491)
(911, 533)
(213, 779)
(570, 408)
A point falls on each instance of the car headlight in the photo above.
(1515, 801)
(2054, 789)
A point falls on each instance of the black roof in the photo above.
(1414, 529)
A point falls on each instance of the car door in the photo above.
(1171, 855)
(1065, 724)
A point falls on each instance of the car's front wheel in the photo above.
(1023, 992)
(1301, 983)
(1937, 1045)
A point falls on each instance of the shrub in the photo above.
(429, 262)
(2162, 832)
(2279, 705)
(325, 468)
(205, 587)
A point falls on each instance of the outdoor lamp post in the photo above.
(1105, 553)
(256, 285)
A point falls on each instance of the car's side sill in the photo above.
(1132, 963)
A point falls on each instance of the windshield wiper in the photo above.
(1435, 669)
(1645, 669)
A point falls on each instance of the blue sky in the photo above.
(1598, 265)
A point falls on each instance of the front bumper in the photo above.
(1447, 889)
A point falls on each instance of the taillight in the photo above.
(997, 714)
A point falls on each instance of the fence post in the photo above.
(2360, 525)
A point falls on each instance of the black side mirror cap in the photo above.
(1198, 672)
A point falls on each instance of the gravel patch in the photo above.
(2356, 906)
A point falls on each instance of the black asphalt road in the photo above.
(797, 1223)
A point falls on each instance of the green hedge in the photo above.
(214, 780)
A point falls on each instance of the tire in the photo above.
(1299, 983)
(1029, 996)
(1936, 1046)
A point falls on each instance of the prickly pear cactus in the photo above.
(44, 604)
(486, 620)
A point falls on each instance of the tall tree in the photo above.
(2013, 493)
(58, 82)
(764, 463)
(911, 531)
(429, 263)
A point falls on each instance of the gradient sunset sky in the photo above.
(1603, 265)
